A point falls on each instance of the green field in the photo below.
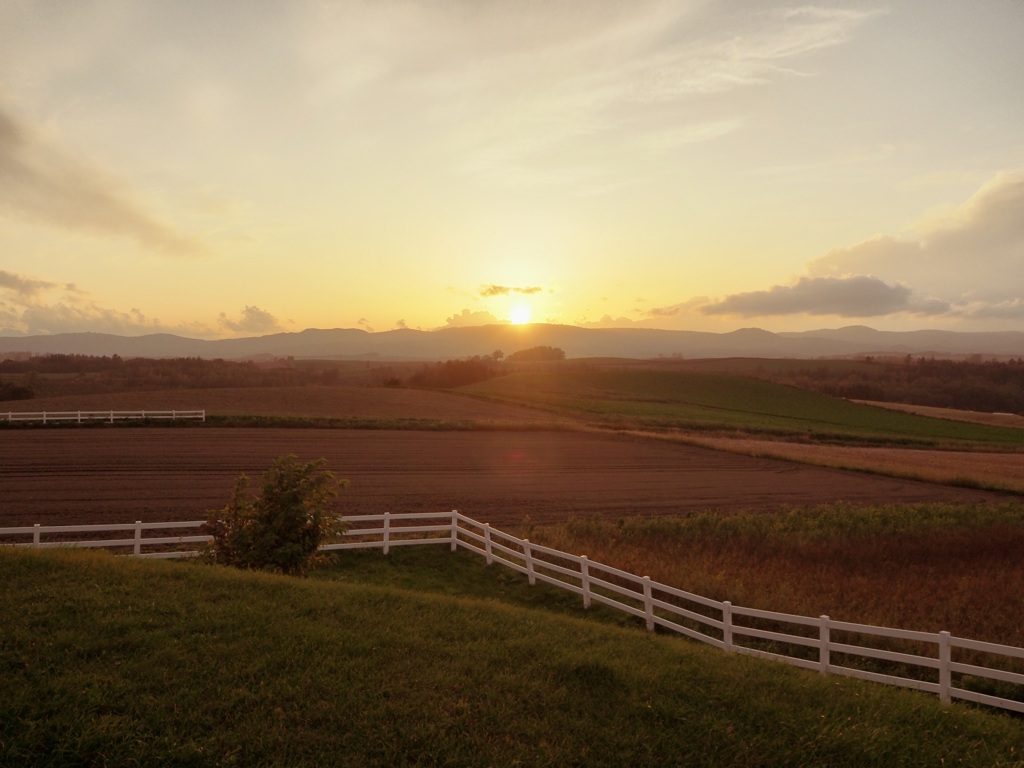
(688, 400)
(110, 661)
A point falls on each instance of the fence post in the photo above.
(945, 675)
(648, 604)
(487, 543)
(528, 557)
(727, 625)
(387, 531)
(111, 417)
(79, 417)
(585, 579)
(455, 529)
(35, 535)
(138, 537)
(824, 638)
(44, 417)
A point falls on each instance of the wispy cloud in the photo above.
(505, 290)
(572, 94)
(41, 182)
(23, 287)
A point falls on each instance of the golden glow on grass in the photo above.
(520, 315)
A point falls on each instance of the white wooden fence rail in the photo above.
(49, 417)
(821, 643)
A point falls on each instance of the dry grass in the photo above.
(924, 567)
(975, 417)
(982, 469)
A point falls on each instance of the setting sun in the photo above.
(422, 167)
(519, 315)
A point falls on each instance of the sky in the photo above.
(239, 168)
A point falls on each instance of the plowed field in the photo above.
(115, 475)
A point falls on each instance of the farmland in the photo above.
(600, 462)
(723, 403)
(115, 474)
(539, 446)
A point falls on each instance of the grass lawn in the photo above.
(113, 661)
(649, 399)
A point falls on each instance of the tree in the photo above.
(282, 529)
(537, 355)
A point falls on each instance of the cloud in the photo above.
(505, 290)
(24, 287)
(252, 320)
(963, 264)
(586, 95)
(973, 253)
(858, 296)
(607, 321)
(1012, 309)
(364, 324)
(32, 306)
(749, 51)
(10, 319)
(40, 182)
(467, 318)
(81, 317)
(682, 308)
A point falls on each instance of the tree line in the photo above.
(972, 385)
(458, 373)
(70, 374)
(55, 375)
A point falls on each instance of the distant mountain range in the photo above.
(452, 343)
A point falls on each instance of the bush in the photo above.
(537, 355)
(282, 529)
(454, 373)
(11, 391)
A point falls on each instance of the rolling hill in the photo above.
(451, 343)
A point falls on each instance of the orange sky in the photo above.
(222, 169)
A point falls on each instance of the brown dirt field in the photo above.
(115, 474)
(327, 402)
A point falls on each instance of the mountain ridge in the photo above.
(406, 344)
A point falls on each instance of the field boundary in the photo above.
(47, 417)
(934, 662)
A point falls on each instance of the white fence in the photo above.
(47, 417)
(156, 546)
(939, 662)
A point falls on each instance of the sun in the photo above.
(520, 315)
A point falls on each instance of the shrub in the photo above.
(11, 391)
(454, 373)
(537, 355)
(282, 529)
